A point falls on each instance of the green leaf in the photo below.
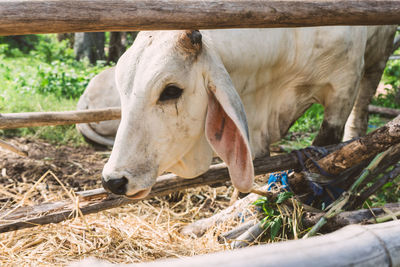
(387, 185)
(283, 196)
(260, 202)
(267, 209)
(275, 227)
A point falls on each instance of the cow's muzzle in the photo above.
(116, 186)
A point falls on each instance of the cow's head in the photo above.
(178, 106)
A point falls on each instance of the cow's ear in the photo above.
(226, 128)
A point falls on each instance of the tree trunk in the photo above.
(117, 46)
(89, 45)
(70, 37)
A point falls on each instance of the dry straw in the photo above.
(140, 232)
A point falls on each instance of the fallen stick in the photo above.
(363, 216)
(249, 236)
(385, 112)
(99, 200)
(388, 177)
(33, 119)
(237, 231)
(12, 148)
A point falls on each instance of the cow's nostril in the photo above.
(116, 186)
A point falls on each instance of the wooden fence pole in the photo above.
(32, 119)
(57, 16)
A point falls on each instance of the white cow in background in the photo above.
(101, 92)
(186, 95)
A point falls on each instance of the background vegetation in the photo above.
(46, 77)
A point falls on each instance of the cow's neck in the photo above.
(260, 63)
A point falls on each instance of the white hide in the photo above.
(101, 92)
(277, 73)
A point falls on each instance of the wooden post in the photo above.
(58, 16)
(32, 119)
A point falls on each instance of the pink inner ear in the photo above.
(228, 142)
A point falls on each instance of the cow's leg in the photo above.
(338, 105)
(357, 122)
(379, 48)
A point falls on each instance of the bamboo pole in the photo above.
(354, 245)
(32, 119)
(57, 16)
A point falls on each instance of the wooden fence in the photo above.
(56, 16)
(355, 245)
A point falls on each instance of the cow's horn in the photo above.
(190, 41)
(194, 36)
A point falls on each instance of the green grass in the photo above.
(45, 79)
(12, 101)
(304, 130)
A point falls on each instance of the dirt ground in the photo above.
(78, 167)
(144, 231)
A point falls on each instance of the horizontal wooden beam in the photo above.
(57, 16)
(33, 119)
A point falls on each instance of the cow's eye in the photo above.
(170, 92)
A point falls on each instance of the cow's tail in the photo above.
(87, 131)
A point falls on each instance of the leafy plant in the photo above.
(50, 49)
(18, 45)
(64, 80)
(273, 215)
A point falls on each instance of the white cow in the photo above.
(186, 94)
(101, 92)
